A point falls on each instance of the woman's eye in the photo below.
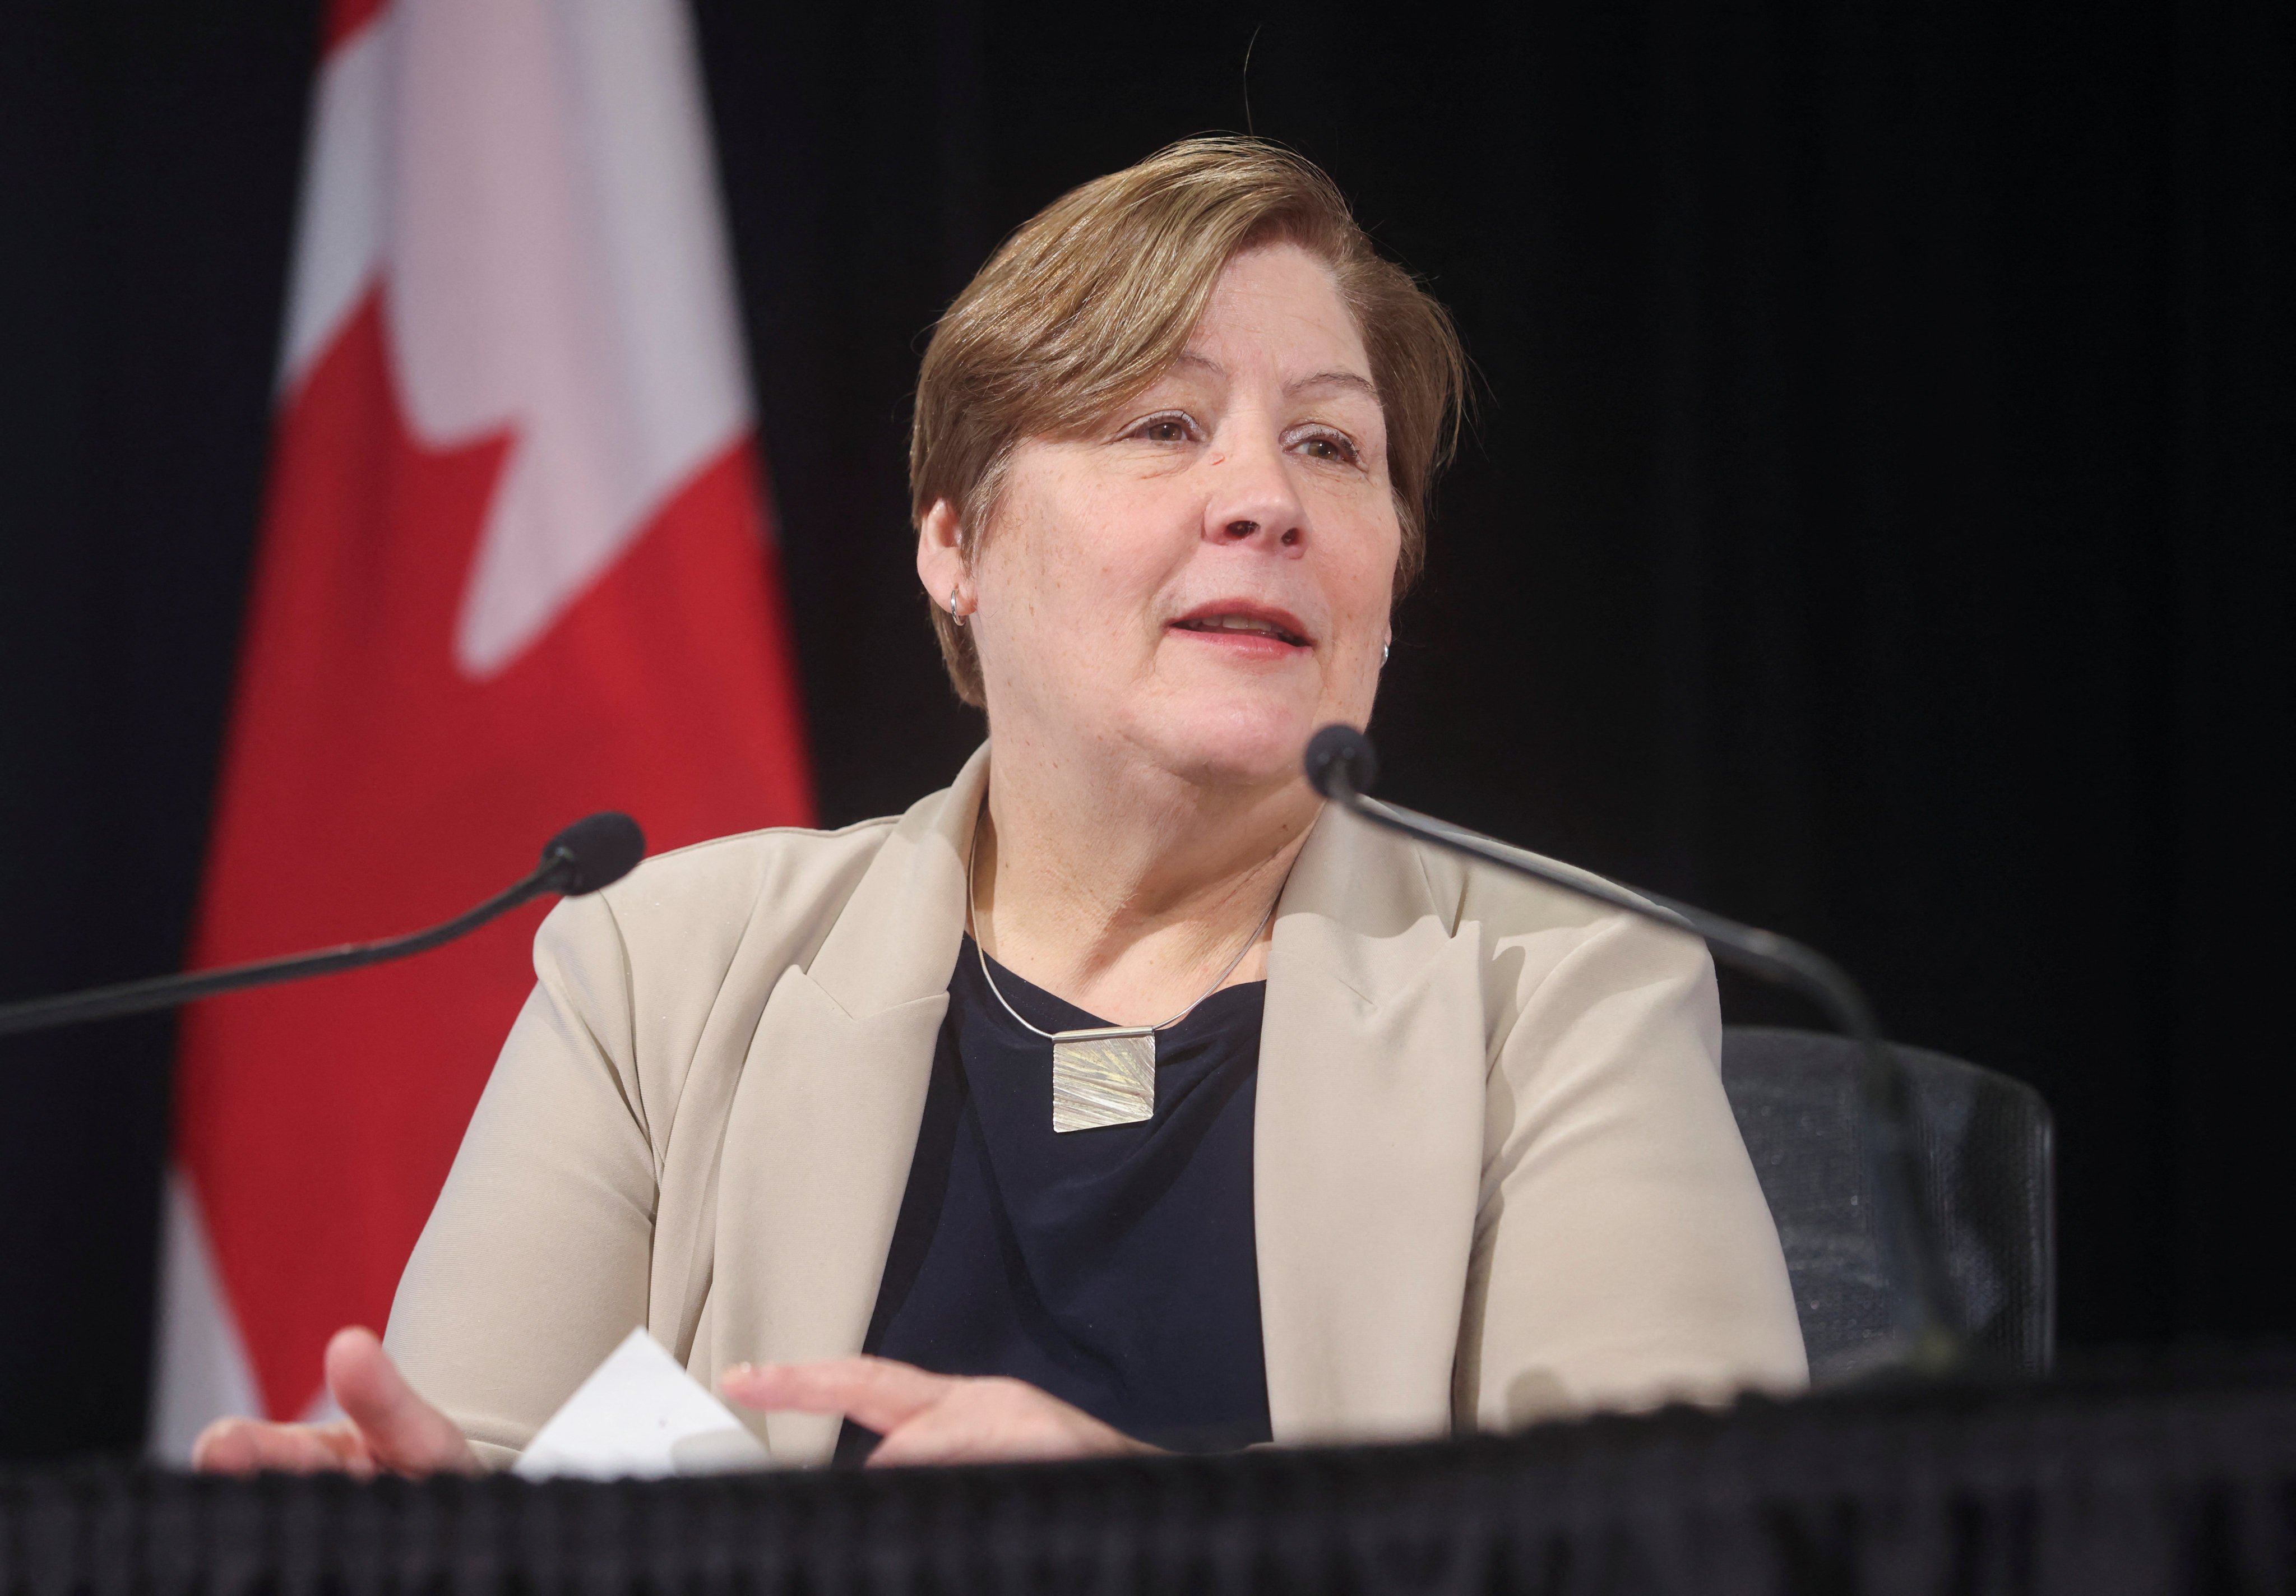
(1163, 429)
(1324, 445)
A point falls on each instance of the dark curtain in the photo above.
(148, 159)
(1877, 521)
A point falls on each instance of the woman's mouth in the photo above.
(1246, 627)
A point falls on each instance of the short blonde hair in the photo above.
(1095, 296)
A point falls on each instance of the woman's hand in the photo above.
(930, 1417)
(386, 1427)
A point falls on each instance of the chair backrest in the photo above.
(1987, 1185)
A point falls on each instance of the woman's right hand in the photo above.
(386, 1427)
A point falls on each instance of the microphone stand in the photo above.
(587, 855)
(1929, 1343)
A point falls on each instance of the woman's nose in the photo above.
(1254, 502)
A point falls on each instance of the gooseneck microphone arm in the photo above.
(589, 854)
(1341, 764)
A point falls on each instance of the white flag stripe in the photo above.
(201, 1369)
(346, 182)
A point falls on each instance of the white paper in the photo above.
(639, 1415)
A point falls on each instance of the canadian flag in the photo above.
(512, 569)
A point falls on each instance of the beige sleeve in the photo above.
(1623, 1253)
(533, 1263)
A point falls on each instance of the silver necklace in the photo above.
(1106, 1075)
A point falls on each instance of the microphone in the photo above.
(593, 852)
(1341, 767)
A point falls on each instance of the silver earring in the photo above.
(953, 615)
(1384, 650)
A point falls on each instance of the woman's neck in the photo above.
(1125, 889)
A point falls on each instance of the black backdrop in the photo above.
(1878, 522)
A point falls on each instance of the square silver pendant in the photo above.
(1103, 1078)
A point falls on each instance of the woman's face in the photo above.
(1205, 579)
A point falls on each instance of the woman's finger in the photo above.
(1001, 1420)
(876, 1392)
(938, 1435)
(400, 1430)
(245, 1446)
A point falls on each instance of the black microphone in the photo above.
(1340, 766)
(595, 852)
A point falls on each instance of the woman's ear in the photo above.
(941, 557)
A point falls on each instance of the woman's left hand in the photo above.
(931, 1418)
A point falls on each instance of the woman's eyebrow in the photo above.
(1326, 381)
(1322, 382)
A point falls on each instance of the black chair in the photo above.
(1987, 1179)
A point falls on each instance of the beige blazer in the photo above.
(1494, 1178)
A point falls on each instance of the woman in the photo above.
(1413, 1145)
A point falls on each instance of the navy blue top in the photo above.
(1114, 1268)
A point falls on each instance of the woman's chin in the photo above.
(1233, 744)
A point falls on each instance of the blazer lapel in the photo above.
(824, 1124)
(1367, 1139)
